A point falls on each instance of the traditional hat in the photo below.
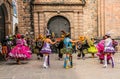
(48, 35)
(107, 34)
(62, 36)
(82, 38)
(63, 32)
(40, 36)
(48, 32)
(18, 36)
(53, 34)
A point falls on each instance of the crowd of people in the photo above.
(15, 47)
(19, 47)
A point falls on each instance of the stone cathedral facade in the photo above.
(92, 18)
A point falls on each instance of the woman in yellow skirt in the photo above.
(92, 48)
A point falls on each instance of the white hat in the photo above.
(108, 34)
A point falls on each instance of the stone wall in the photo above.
(23, 17)
(90, 18)
(20, 16)
(109, 17)
(112, 17)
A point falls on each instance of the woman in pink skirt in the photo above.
(21, 51)
(100, 54)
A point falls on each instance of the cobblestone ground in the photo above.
(83, 69)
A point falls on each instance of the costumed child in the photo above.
(115, 43)
(92, 48)
(82, 46)
(4, 50)
(39, 44)
(108, 49)
(21, 51)
(46, 50)
(68, 63)
(9, 44)
(60, 45)
(100, 53)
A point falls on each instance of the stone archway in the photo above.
(58, 23)
(3, 21)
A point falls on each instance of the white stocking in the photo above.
(105, 60)
(45, 61)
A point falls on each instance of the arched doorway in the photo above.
(3, 15)
(58, 23)
(2, 24)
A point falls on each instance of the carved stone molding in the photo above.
(59, 2)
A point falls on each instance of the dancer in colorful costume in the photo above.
(39, 43)
(115, 43)
(68, 51)
(21, 51)
(46, 50)
(92, 48)
(82, 46)
(59, 46)
(100, 54)
(109, 49)
(5, 48)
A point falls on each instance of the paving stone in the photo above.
(82, 69)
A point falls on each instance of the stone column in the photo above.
(101, 17)
(80, 23)
(42, 22)
(36, 24)
(76, 24)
